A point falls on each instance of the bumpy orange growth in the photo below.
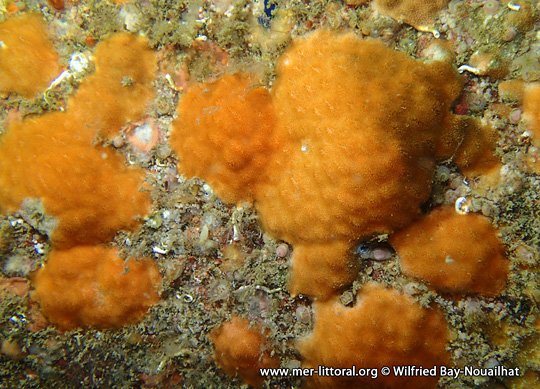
(121, 87)
(242, 350)
(362, 127)
(87, 188)
(531, 109)
(453, 253)
(90, 286)
(321, 269)
(225, 135)
(476, 154)
(418, 13)
(28, 62)
(384, 328)
(362, 124)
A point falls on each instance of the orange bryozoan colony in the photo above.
(384, 328)
(226, 135)
(86, 188)
(531, 106)
(359, 129)
(532, 109)
(91, 286)
(242, 350)
(120, 90)
(28, 62)
(58, 160)
(453, 253)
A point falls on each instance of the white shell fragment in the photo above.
(463, 205)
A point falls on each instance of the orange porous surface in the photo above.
(28, 61)
(384, 328)
(531, 111)
(419, 14)
(361, 124)
(321, 269)
(241, 350)
(225, 135)
(86, 188)
(476, 154)
(121, 87)
(90, 286)
(453, 253)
